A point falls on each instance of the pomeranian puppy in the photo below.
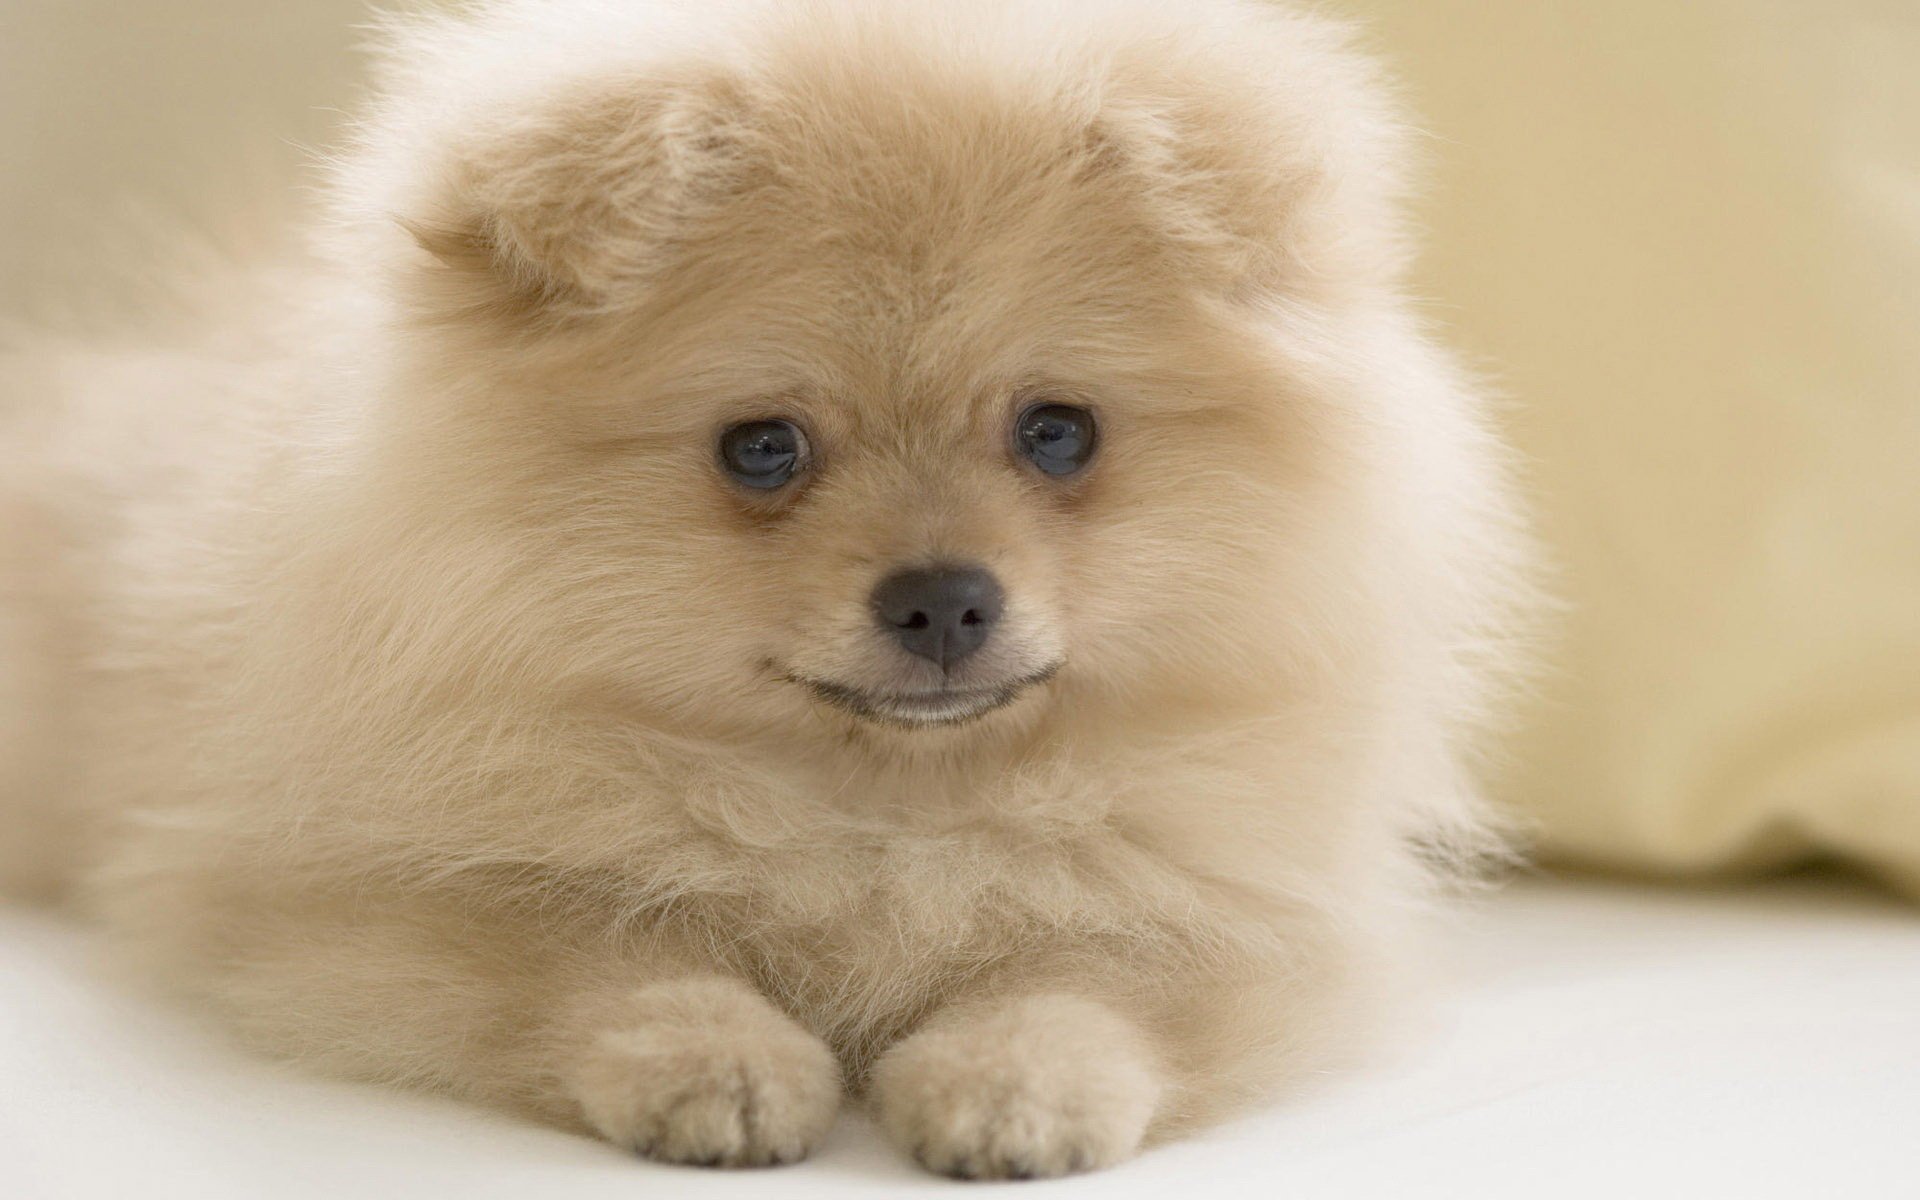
(768, 550)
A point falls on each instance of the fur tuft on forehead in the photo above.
(1247, 141)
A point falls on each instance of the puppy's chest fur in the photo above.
(862, 931)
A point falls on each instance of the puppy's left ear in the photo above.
(575, 207)
(1282, 171)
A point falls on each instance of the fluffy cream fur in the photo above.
(388, 655)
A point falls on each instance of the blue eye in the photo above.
(763, 454)
(1057, 438)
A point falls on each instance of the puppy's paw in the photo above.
(1024, 1089)
(706, 1072)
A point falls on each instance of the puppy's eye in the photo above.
(1057, 438)
(763, 454)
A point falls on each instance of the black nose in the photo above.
(942, 613)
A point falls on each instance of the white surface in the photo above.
(1602, 1041)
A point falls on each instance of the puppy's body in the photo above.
(413, 684)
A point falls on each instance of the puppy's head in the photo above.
(908, 366)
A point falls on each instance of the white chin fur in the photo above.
(935, 710)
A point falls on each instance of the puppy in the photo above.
(769, 550)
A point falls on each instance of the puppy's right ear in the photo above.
(574, 208)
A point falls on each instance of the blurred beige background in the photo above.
(1685, 237)
(118, 113)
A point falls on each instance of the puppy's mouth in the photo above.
(923, 710)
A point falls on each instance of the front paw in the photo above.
(706, 1072)
(1030, 1088)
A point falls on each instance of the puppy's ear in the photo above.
(573, 208)
(1263, 190)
